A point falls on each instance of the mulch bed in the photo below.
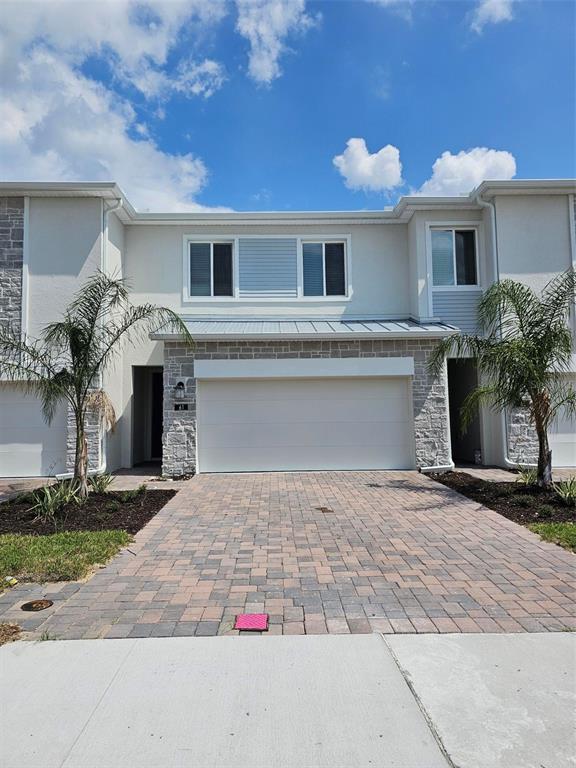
(9, 633)
(518, 502)
(123, 510)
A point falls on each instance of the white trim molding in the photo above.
(24, 296)
(304, 368)
(478, 227)
(234, 239)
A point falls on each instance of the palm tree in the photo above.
(525, 348)
(67, 363)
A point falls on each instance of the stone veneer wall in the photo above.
(92, 428)
(429, 394)
(11, 258)
(522, 438)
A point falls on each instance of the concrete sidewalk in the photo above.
(290, 702)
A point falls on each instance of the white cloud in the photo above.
(459, 174)
(491, 12)
(402, 7)
(58, 124)
(375, 172)
(266, 24)
(61, 125)
(136, 38)
(191, 78)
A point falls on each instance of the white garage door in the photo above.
(28, 446)
(562, 437)
(304, 424)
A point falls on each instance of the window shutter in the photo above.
(199, 269)
(312, 263)
(335, 270)
(222, 269)
(442, 257)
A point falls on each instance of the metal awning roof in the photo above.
(254, 330)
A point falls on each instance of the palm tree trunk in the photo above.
(544, 479)
(81, 457)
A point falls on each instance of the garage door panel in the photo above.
(262, 425)
(301, 389)
(562, 437)
(346, 434)
(317, 409)
(335, 457)
(28, 446)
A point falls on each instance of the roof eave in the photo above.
(424, 334)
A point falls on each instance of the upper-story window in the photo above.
(324, 268)
(454, 260)
(211, 269)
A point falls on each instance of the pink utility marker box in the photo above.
(256, 622)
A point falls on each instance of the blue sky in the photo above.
(252, 105)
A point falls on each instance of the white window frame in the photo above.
(454, 227)
(323, 240)
(234, 239)
(210, 240)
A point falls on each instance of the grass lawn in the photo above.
(563, 534)
(61, 556)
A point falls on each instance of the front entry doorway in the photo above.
(463, 379)
(147, 414)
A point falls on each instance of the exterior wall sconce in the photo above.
(179, 392)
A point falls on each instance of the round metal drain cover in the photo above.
(36, 605)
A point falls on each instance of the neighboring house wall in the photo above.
(11, 260)
(64, 250)
(533, 237)
(113, 377)
(534, 245)
(429, 394)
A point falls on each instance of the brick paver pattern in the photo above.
(326, 552)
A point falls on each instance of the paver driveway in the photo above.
(321, 552)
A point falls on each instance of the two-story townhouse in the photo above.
(312, 330)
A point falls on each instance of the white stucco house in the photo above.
(312, 330)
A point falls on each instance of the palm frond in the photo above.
(134, 325)
(455, 345)
(506, 308)
(99, 402)
(473, 401)
(558, 298)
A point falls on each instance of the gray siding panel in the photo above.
(457, 308)
(268, 267)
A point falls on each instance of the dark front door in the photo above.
(157, 406)
(462, 379)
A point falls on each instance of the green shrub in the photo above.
(545, 511)
(525, 500)
(100, 483)
(527, 475)
(126, 496)
(50, 499)
(567, 491)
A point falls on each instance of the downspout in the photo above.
(103, 266)
(496, 268)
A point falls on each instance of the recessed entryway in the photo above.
(462, 380)
(147, 411)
